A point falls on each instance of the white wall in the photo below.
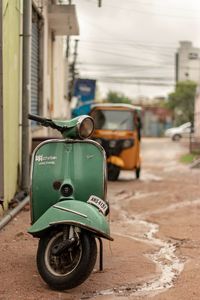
(55, 73)
(188, 68)
(60, 72)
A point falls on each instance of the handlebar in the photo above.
(43, 121)
(36, 118)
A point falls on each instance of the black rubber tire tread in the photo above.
(137, 172)
(176, 137)
(82, 271)
(113, 172)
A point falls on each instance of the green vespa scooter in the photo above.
(69, 210)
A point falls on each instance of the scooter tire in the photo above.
(81, 271)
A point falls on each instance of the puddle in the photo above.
(123, 194)
(167, 262)
(150, 177)
(140, 195)
(165, 259)
(169, 265)
(169, 208)
(145, 176)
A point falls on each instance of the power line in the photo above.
(159, 5)
(122, 55)
(139, 78)
(136, 47)
(134, 42)
(137, 83)
(155, 14)
(174, 8)
(120, 65)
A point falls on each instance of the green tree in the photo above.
(181, 101)
(116, 97)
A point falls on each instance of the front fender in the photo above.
(73, 212)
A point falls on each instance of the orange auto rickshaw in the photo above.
(118, 130)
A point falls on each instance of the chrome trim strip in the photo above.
(84, 226)
(79, 123)
(66, 222)
(69, 210)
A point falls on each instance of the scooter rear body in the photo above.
(79, 165)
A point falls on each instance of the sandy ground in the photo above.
(155, 224)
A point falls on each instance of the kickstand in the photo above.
(100, 254)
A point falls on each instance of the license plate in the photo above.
(99, 203)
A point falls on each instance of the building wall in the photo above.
(60, 79)
(155, 121)
(11, 95)
(197, 114)
(188, 62)
(188, 68)
(54, 101)
(53, 87)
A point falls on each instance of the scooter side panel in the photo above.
(79, 163)
(73, 212)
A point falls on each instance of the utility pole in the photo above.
(176, 67)
(1, 111)
(68, 47)
(73, 70)
(68, 38)
(26, 96)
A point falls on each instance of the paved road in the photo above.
(155, 224)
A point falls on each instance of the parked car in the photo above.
(176, 133)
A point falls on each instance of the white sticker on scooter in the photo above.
(99, 203)
(45, 160)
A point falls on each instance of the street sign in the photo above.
(84, 92)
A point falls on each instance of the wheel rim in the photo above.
(64, 263)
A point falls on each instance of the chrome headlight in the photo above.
(86, 127)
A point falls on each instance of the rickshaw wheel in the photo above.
(113, 172)
(137, 172)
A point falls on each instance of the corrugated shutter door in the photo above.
(35, 65)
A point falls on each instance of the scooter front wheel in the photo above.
(70, 267)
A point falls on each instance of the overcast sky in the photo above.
(129, 46)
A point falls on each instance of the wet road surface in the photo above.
(155, 224)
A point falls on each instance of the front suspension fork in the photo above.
(100, 254)
(73, 233)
